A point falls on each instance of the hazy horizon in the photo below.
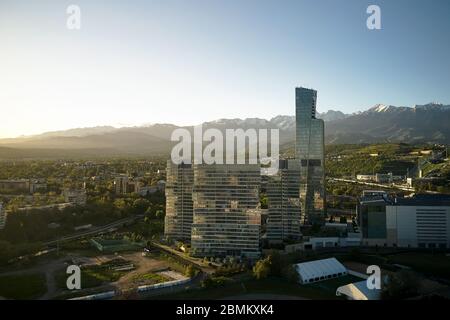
(186, 63)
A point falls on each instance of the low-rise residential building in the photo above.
(75, 196)
(38, 185)
(17, 185)
(21, 186)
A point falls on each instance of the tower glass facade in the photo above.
(309, 150)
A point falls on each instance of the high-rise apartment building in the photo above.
(309, 150)
(178, 189)
(227, 214)
(283, 200)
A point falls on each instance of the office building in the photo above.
(227, 214)
(178, 190)
(283, 200)
(309, 150)
(420, 221)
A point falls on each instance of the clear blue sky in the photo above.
(190, 61)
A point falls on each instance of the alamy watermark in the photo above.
(374, 280)
(239, 144)
(73, 281)
(374, 20)
(74, 17)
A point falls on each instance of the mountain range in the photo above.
(428, 123)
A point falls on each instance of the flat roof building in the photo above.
(421, 221)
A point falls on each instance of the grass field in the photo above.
(30, 286)
(325, 290)
(91, 277)
(149, 278)
(437, 264)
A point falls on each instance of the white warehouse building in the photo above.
(319, 270)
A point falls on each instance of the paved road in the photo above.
(198, 262)
(94, 230)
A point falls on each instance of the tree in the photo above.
(140, 205)
(261, 269)
(277, 263)
(120, 204)
(158, 214)
(189, 271)
(401, 285)
(290, 273)
(264, 202)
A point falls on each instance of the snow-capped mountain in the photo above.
(421, 123)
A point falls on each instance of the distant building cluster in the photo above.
(23, 185)
(124, 184)
(217, 207)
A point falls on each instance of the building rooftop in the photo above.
(415, 200)
(424, 200)
(316, 270)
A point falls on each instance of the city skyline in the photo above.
(135, 63)
(221, 156)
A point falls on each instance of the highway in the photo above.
(372, 184)
(94, 230)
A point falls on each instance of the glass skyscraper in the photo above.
(309, 150)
